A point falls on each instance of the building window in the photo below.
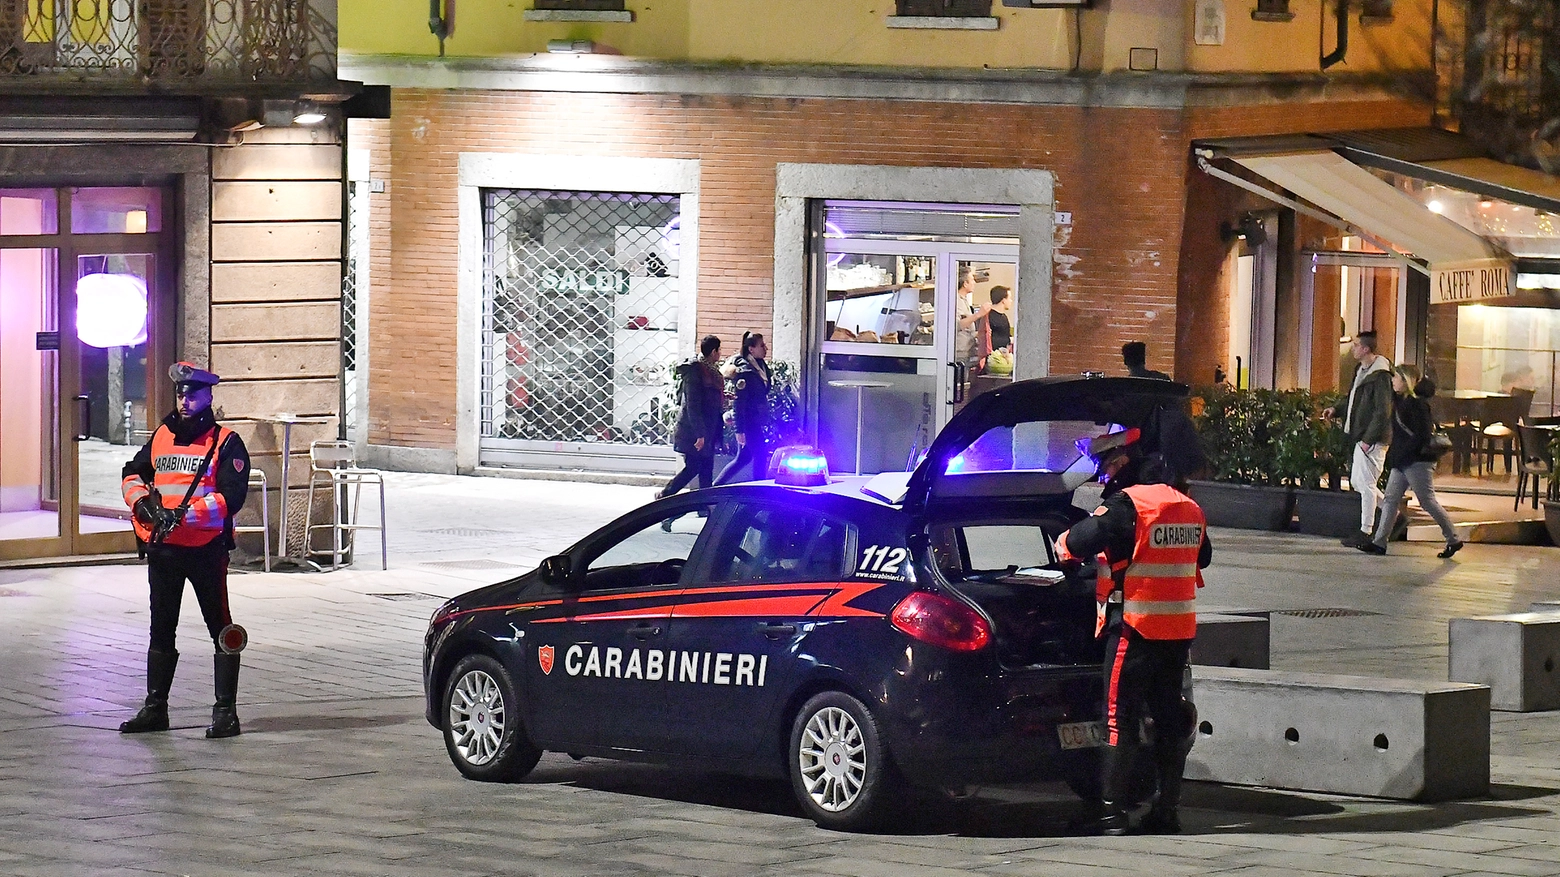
(944, 8)
(578, 10)
(1272, 10)
(580, 5)
(580, 315)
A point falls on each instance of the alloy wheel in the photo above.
(832, 758)
(477, 717)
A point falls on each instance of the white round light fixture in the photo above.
(111, 310)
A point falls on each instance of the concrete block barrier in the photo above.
(1545, 606)
(1231, 641)
(1517, 656)
(1349, 735)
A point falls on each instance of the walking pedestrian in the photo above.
(749, 373)
(1410, 463)
(1368, 423)
(185, 486)
(1134, 355)
(1151, 541)
(698, 431)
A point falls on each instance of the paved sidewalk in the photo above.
(337, 773)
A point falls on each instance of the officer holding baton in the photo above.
(185, 486)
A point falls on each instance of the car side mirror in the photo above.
(555, 570)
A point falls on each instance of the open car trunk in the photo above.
(1042, 616)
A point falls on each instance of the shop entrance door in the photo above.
(1341, 295)
(82, 340)
(906, 329)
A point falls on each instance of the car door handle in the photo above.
(776, 630)
(645, 631)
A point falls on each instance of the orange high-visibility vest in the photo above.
(1158, 586)
(176, 466)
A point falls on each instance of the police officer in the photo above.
(749, 373)
(1151, 543)
(184, 487)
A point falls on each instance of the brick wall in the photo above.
(1122, 172)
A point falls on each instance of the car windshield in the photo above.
(1053, 446)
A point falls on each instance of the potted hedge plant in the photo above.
(1332, 511)
(1251, 473)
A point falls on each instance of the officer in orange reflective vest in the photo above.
(1151, 543)
(184, 487)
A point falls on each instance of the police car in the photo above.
(858, 635)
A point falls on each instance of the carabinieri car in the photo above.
(855, 634)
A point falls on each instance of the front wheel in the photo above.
(839, 765)
(482, 728)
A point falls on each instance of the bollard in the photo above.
(1350, 735)
(1515, 655)
(1231, 641)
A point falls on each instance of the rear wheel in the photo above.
(839, 765)
(482, 729)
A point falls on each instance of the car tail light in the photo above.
(443, 613)
(941, 621)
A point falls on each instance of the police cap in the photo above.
(188, 373)
(1122, 439)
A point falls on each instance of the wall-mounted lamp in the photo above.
(308, 113)
(441, 20)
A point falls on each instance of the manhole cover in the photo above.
(470, 564)
(1323, 613)
(407, 595)
(468, 532)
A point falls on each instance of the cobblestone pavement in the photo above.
(337, 773)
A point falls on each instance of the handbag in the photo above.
(1439, 445)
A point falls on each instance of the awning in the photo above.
(1463, 266)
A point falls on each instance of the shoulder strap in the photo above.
(216, 439)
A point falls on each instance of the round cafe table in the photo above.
(860, 387)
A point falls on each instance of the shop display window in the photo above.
(1503, 350)
(580, 316)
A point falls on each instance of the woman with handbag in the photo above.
(1410, 462)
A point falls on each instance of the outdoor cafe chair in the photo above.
(1533, 448)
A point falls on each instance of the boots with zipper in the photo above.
(159, 679)
(1115, 762)
(224, 714)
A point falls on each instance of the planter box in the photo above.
(1328, 512)
(1552, 520)
(1249, 507)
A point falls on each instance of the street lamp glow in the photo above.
(111, 310)
(1436, 207)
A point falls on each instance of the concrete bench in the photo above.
(1231, 641)
(1515, 655)
(1350, 735)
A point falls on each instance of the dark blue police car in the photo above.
(855, 634)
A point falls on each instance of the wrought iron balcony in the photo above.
(190, 46)
(1498, 72)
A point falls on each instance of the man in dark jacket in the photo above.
(1134, 355)
(1368, 423)
(699, 426)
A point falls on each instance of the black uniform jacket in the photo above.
(751, 406)
(1114, 531)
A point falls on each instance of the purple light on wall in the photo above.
(111, 310)
(830, 230)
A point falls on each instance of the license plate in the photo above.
(1081, 735)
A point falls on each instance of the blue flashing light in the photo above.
(800, 466)
(956, 465)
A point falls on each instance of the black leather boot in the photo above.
(1165, 816)
(224, 714)
(1115, 761)
(159, 679)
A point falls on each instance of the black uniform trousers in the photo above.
(754, 453)
(206, 569)
(1144, 676)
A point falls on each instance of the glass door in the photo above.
(80, 346)
(1342, 295)
(910, 331)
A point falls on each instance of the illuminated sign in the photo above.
(1475, 283)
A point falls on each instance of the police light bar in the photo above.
(800, 466)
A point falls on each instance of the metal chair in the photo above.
(1533, 452)
(333, 466)
(257, 479)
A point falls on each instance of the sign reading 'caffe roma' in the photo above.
(1472, 283)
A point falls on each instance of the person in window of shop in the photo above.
(184, 487)
(1134, 354)
(1410, 462)
(698, 431)
(749, 375)
(1368, 423)
(998, 338)
(966, 337)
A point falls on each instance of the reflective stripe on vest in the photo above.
(1160, 585)
(176, 466)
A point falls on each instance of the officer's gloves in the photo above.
(160, 520)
